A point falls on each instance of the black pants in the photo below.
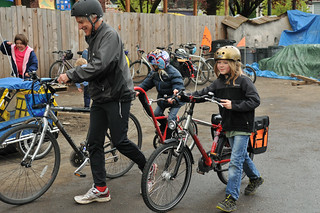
(113, 116)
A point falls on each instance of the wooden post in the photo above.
(226, 7)
(17, 2)
(128, 6)
(195, 6)
(165, 6)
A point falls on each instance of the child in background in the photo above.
(83, 87)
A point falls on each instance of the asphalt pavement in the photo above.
(290, 166)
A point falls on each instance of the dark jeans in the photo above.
(86, 96)
(104, 116)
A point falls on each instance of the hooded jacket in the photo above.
(244, 99)
(30, 61)
(107, 71)
(165, 83)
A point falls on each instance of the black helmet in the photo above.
(87, 8)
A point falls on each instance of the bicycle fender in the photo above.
(174, 140)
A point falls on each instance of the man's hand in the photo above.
(226, 103)
(63, 78)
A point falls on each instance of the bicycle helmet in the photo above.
(159, 58)
(228, 52)
(86, 8)
(181, 53)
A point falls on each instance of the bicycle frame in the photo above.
(154, 118)
(218, 128)
(49, 113)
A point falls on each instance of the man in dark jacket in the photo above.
(110, 88)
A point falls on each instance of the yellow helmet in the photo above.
(228, 52)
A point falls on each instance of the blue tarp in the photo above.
(17, 83)
(272, 74)
(305, 26)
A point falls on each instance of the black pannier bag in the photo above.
(183, 66)
(259, 138)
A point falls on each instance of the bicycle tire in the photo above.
(224, 152)
(156, 138)
(23, 146)
(251, 73)
(212, 76)
(203, 72)
(116, 163)
(166, 191)
(139, 71)
(57, 68)
(21, 184)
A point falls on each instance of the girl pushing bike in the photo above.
(239, 98)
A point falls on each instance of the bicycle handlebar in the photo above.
(198, 99)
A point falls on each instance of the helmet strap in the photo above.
(93, 30)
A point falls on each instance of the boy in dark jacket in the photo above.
(167, 80)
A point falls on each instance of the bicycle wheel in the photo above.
(202, 70)
(116, 163)
(164, 190)
(57, 68)
(212, 76)
(251, 73)
(24, 145)
(224, 152)
(139, 71)
(22, 182)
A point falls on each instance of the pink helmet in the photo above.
(159, 58)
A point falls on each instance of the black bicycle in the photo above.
(26, 177)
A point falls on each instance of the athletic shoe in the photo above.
(253, 186)
(228, 205)
(93, 195)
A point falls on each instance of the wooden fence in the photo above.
(50, 30)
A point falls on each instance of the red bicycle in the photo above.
(161, 135)
(174, 161)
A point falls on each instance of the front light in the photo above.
(172, 125)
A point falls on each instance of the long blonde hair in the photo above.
(235, 70)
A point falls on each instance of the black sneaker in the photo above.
(253, 185)
(228, 205)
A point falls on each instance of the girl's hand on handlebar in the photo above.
(63, 78)
(226, 103)
(173, 99)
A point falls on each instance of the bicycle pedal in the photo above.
(80, 174)
(200, 172)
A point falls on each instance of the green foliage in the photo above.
(135, 5)
(281, 6)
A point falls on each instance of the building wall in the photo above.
(316, 8)
(262, 35)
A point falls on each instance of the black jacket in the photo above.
(107, 71)
(244, 98)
